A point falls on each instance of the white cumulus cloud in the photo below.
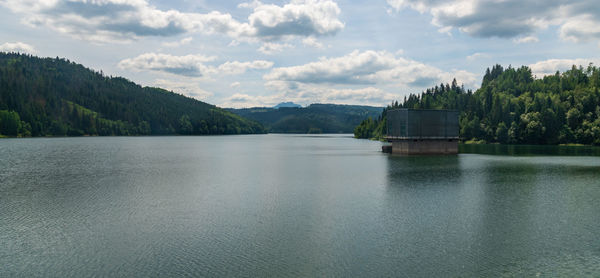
(189, 65)
(312, 42)
(367, 67)
(581, 29)
(307, 94)
(272, 48)
(578, 20)
(527, 39)
(359, 77)
(550, 66)
(179, 43)
(240, 100)
(17, 47)
(126, 20)
(477, 55)
(188, 88)
(250, 5)
(236, 67)
(298, 18)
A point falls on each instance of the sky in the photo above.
(260, 53)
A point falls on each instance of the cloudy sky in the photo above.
(260, 53)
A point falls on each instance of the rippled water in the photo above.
(285, 205)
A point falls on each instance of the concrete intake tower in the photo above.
(422, 131)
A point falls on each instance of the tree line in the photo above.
(514, 107)
(57, 97)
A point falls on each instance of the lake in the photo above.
(293, 205)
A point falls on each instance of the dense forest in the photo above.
(315, 118)
(56, 97)
(513, 107)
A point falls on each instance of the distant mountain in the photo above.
(287, 104)
(316, 118)
(56, 97)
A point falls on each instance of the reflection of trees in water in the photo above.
(421, 217)
(533, 211)
(423, 170)
(481, 215)
(502, 230)
(498, 149)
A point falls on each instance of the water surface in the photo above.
(287, 205)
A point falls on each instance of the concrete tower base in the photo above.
(424, 146)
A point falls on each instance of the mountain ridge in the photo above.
(287, 104)
(315, 118)
(57, 97)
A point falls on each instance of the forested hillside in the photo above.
(315, 118)
(514, 107)
(56, 97)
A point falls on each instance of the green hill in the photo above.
(514, 107)
(316, 118)
(56, 97)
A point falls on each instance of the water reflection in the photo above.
(423, 170)
(502, 232)
(527, 150)
(289, 206)
(480, 215)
